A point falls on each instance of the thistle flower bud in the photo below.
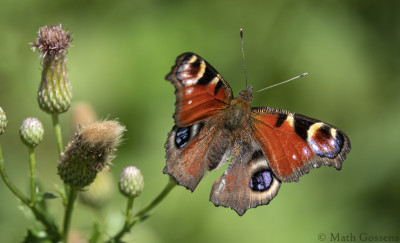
(131, 182)
(89, 152)
(3, 121)
(55, 92)
(97, 194)
(31, 132)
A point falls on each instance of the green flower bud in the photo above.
(31, 132)
(99, 193)
(89, 152)
(131, 182)
(3, 121)
(55, 91)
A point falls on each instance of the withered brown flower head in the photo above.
(89, 152)
(52, 40)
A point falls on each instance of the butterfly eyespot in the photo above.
(261, 180)
(326, 142)
(182, 136)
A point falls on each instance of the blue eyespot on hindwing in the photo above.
(261, 180)
(182, 136)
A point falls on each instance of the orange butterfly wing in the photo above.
(294, 144)
(201, 92)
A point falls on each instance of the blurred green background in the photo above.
(122, 51)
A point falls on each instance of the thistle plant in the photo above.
(84, 165)
(131, 182)
(55, 91)
(89, 152)
(54, 94)
(31, 132)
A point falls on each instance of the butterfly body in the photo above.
(267, 145)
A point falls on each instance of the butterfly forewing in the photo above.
(201, 92)
(294, 144)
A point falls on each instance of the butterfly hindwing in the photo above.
(247, 182)
(294, 144)
(191, 151)
(201, 92)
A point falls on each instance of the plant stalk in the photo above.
(10, 185)
(139, 216)
(68, 212)
(128, 216)
(51, 228)
(32, 174)
(57, 132)
(142, 213)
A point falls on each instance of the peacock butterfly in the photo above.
(267, 145)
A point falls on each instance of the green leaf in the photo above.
(144, 217)
(48, 195)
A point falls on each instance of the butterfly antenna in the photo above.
(244, 59)
(298, 76)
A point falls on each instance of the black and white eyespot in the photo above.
(325, 141)
(262, 182)
(191, 70)
(184, 134)
(262, 177)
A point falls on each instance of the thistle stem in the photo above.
(129, 207)
(57, 132)
(68, 212)
(128, 216)
(51, 227)
(32, 174)
(60, 146)
(10, 185)
(143, 213)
